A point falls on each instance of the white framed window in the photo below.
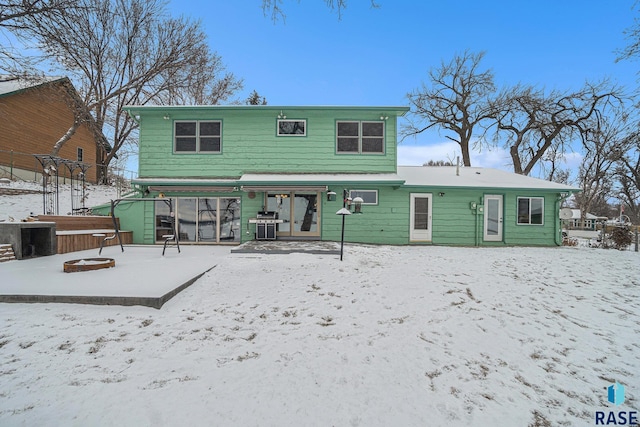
(530, 210)
(80, 154)
(355, 137)
(288, 127)
(369, 197)
(198, 136)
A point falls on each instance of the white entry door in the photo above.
(493, 218)
(420, 222)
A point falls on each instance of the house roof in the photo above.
(407, 176)
(136, 110)
(466, 177)
(575, 214)
(320, 178)
(12, 84)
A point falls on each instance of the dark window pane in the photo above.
(372, 145)
(420, 221)
(186, 144)
(372, 129)
(209, 128)
(210, 144)
(185, 128)
(523, 211)
(536, 211)
(348, 129)
(348, 145)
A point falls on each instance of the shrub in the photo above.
(621, 237)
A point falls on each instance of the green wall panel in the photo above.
(250, 144)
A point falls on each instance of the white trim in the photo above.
(488, 234)
(518, 210)
(361, 137)
(304, 133)
(197, 137)
(364, 191)
(421, 235)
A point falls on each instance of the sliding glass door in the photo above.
(200, 220)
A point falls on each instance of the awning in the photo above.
(284, 188)
(192, 188)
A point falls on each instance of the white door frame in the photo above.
(420, 235)
(493, 217)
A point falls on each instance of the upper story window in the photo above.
(355, 137)
(530, 210)
(198, 136)
(80, 153)
(292, 127)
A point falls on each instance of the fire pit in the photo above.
(87, 264)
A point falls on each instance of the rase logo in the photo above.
(615, 395)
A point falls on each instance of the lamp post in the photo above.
(346, 210)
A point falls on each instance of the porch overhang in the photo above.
(185, 185)
(314, 182)
(283, 188)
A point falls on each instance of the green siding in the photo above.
(250, 144)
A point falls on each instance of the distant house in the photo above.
(36, 114)
(575, 222)
(228, 169)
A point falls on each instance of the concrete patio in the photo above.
(141, 276)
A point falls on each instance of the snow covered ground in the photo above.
(407, 336)
(25, 205)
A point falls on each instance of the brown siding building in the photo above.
(34, 116)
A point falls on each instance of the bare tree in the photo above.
(15, 60)
(628, 177)
(603, 145)
(275, 9)
(456, 100)
(538, 123)
(633, 35)
(125, 52)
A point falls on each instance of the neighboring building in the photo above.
(575, 222)
(36, 114)
(222, 165)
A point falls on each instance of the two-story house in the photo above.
(224, 165)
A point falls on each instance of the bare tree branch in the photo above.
(124, 52)
(456, 100)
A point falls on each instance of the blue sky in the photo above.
(376, 56)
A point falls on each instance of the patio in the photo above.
(141, 276)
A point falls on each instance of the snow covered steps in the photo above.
(6, 252)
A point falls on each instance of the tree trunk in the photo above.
(67, 136)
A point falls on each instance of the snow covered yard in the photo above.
(407, 336)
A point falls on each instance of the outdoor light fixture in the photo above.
(441, 194)
(383, 117)
(167, 117)
(331, 196)
(346, 210)
(281, 115)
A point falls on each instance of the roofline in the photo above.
(134, 110)
(33, 86)
(494, 188)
